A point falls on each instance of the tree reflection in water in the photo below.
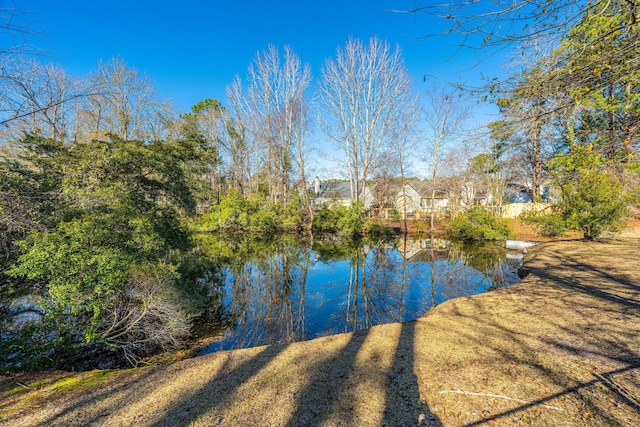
(286, 290)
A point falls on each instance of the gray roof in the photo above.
(335, 190)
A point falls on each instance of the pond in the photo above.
(286, 290)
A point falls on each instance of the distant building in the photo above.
(337, 193)
(416, 196)
(517, 193)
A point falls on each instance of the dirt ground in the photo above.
(560, 348)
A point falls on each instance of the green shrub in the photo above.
(375, 227)
(350, 221)
(325, 221)
(230, 213)
(548, 224)
(339, 219)
(254, 213)
(593, 197)
(421, 228)
(476, 224)
(594, 204)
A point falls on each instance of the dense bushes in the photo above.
(593, 200)
(339, 219)
(347, 220)
(549, 224)
(253, 214)
(106, 266)
(477, 224)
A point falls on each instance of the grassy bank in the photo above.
(560, 348)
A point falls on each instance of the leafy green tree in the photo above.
(593, 200)
(109, 264)
(597, 71)
(30, 187)
(586, 96)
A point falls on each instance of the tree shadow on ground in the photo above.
(316, 402)
(403, 405)
(605, 379)
(91, 400)
(218, 391)
(571, 292)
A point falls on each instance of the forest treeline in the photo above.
(102, 182)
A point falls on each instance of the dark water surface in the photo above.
(285, 290)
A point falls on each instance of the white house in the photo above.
(416, 196)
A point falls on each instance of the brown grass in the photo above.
(560, 348)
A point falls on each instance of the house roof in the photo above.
(335, 190)
(424, 188)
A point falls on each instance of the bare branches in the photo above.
(14, 30)
(273, 109)
(365, 93)
(38, 97)
(485, 24)
(124, 103)
(445, 118)
(147, 317)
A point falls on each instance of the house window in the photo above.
(425, 203)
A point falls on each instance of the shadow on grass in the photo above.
(91, 400)
(591, 340)
(316, 403)
(605, 379)
(594, 286)
(404, 406)
(218, 391)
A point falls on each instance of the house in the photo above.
(416, 197)
(517, 193)
(338, 193)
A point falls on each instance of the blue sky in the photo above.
(193, 49)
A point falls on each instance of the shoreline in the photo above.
(561, 346)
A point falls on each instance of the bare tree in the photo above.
(498, 24)
(405, 139)
(363, 94)
(126, 104)
(445, 117)
(273, 110)
(38, 97)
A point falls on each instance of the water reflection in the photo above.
(288, 290)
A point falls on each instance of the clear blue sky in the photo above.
(193, 49)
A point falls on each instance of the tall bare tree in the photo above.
(37, 97)
(405, 139)
(364, 92)
(445, 116)
(273, 109)
(126, 104)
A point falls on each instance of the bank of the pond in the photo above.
(560, 348)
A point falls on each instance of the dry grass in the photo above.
(560, 348)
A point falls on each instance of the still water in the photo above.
(279, 291)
